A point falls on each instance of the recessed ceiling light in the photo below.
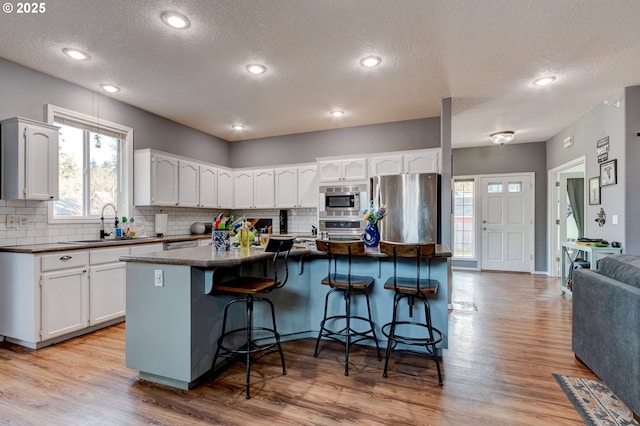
(256, 69)
(237, 127)
(544, 81)
(370, 61)
(76, 54)
(175, 20)
(500, 138)
(337, 113)
(110, 88)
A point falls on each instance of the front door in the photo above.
(507, 223)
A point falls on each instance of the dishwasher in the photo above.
(174, 245)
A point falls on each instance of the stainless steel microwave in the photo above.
(343, 200)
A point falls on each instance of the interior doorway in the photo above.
(567, 202)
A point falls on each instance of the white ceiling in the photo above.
(483, 54)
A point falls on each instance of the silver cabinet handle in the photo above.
(66, 257)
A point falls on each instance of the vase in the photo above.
(371, 235)
(220, 239)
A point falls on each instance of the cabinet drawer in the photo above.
(146, 248)
(64, 260)
(107, 255)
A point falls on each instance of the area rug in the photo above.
(595, 402)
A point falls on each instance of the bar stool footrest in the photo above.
(413, 341)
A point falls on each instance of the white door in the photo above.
(188, 191)
(264, 189)
(286, 187)
(307, 187)
(208, 187)
(225, 189)
(106, 292)
(507, 223)
(65, 302)
(165, 181)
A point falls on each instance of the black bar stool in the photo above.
(411, 289)
(347, 285)
(247, 288)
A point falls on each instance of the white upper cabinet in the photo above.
(225, 189)
(254, 189)
(188, 184)
(422, 161)
(386, 165)
(208, 187)
(29, 155)
(296, 187)
(162, 179)
(344, 169)
(418, 161)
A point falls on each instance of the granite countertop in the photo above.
(66, 246)
(205, 257)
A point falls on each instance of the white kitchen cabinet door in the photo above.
(386, 165)
(339, 170)
(225, 189)
(422, 161)
(29, 160)
(65, 302)
(188, 180)
(106, 292)
(243, 189)
(263, 189)
(286, 187)
(307, 186)
(208, 187)
(164, 180)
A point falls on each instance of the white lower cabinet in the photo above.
(45, 298)
(64, 302)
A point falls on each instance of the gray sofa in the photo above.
(606, 324)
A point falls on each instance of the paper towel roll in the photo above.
(161, 223)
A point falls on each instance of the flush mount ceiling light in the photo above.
(337, 113)
(76, 54)
(256, 69)
(370, 61)
(110, 88)
(544, 81)
(175, 20)
(237, 127)
(500, 138)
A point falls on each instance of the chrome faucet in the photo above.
(115, 212)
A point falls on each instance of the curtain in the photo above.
(575, 190)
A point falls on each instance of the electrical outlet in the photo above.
(159, 278)
(12, 222)
(24, 221)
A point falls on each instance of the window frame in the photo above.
(125, 192)
(473, 179)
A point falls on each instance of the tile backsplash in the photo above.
(35, 229)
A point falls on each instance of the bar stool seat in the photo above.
(347, 285)
(411, 289)
(248, 288)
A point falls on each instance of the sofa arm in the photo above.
(606, 332)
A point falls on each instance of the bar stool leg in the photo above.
(249, 340)
(373, 327)
(324, 319)
(392, 333)
(277, 335)
(436, 358)
(347, 302)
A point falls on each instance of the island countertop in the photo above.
(205, 257)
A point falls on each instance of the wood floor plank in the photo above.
(507, 334)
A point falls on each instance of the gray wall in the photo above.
(516, 158)
(603, 120)
(306, 147)
(24, 92)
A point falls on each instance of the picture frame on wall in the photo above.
(594, 190)
(609, 173)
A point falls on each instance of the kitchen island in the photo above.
(174, 317)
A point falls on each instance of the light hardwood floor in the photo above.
(507, 334)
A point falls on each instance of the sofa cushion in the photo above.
(621, 267)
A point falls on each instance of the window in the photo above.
(464, 219)
(93, 159)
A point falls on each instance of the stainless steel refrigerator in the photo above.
(413, 207)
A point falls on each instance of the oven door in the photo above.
(342, 229)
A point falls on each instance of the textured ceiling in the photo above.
(483, 54)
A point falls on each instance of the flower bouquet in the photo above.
(372, 217)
